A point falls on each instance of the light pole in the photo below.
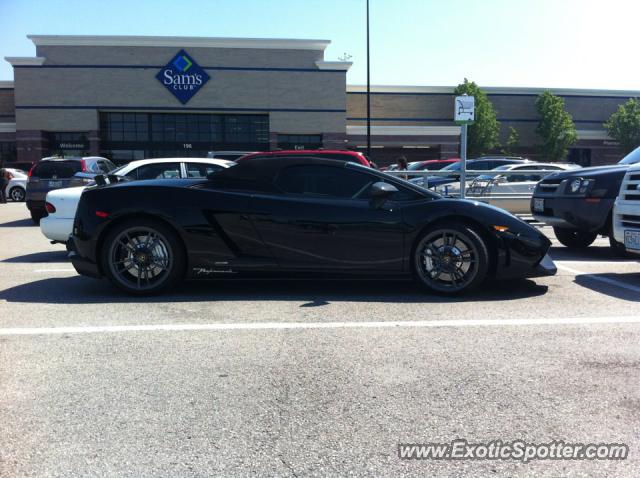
(368, 91)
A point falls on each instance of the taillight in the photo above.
(83, 165)
(102, 214)
(31, 170)
(10, 176)
(50, 207)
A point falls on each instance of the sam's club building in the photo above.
(127, 97)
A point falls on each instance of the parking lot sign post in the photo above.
(464, 115)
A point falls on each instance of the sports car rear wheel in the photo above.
(451, 258)
(142, 257)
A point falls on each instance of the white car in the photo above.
(626, 211)
(513, 192)
(16, 189)
(61, 204)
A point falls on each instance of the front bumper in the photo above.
(588, 214)
(82, 265)
(546, 267)
(625, 216)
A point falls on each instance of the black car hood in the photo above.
(588, 172)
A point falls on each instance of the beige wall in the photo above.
(257, 91)
(7, 108)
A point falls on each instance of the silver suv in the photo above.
(57, 173)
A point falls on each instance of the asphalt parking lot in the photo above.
(290, 378)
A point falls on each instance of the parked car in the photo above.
(61, 204)
(337, 154)
(472, 164)
(430, 165)
(57, 173)
(297, 215)
(19, 165)
(578, 204)
(228, 155)
(626, 212)
(17, 185)
(511, 192)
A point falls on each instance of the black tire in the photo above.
(574, 238)
(143, 257)
(450, 258)
(36, 215)
(17, 194)
(618, 249)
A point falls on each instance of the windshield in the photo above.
(452, 167)
(487, 177)
(118, 169)
(632, 158)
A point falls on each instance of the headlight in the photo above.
(580, 185)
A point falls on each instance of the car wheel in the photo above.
(36, 216)
(143, 257)
(451, 258)
(17, 194)
(574, 238)
(618, 248)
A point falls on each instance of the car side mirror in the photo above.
(381, 192)
(501, 179)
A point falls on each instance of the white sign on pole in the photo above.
(465, 109)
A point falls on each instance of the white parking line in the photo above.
(320, 325)
(606, 280)
(42, 271)
(599, 263)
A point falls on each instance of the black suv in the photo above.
(57, 173)
(578, 203)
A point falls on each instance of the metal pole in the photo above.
(368, 91)
(463, 160)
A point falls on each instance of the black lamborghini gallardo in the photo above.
(297, 216)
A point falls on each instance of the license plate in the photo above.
(632, 240)
(55, 184)
(538, 205)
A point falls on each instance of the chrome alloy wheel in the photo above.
(17, 194)
(140, 258)
(448, 260)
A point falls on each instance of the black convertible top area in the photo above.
(260, 173)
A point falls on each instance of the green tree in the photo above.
(556, 127)
(513, 141)
(624, 125)
(482, 135)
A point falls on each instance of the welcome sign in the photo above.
(183, 77)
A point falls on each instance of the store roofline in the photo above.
(492, 90)
(171, 41)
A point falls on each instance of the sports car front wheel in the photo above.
(451, 258)
(142, 257)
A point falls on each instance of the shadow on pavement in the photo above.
(18, 223)
(592, 254)
(314, 293)
(43, 257)
(598, 283)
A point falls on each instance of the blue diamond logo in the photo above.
(183, 77)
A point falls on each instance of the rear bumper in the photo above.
(34, 205)
(56, 229)
(82, 265)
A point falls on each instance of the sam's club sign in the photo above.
(183, 77)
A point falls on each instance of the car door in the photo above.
(321, 218)
(200, 170)
(157, 171)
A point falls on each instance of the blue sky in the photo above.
(540, 43)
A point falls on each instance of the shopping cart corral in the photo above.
(510, 190)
